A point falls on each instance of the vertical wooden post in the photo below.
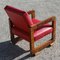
(11, 34)
(54, 29)
(33, 14)
(32, 42)
(31, 31)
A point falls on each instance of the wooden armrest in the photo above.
(35, 26)
(32, 12)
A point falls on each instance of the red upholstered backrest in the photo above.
(19, 18)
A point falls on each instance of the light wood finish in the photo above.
(35, 26)
(31, 28)
(32, 12)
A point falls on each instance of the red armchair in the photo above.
(30, 29)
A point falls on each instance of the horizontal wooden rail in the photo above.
(42, 46)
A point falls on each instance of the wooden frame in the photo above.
(33, 50)
(13, 39)
(35, 26)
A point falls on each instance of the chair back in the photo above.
(19, 18)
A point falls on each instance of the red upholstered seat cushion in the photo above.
(38, 34)
(42, 32)
(36, 21)
(17, 32)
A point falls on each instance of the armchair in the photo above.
(30, 29)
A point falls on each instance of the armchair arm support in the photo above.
(32, 12)
(51, 19)
(31, 28)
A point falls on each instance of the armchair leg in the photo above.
(15, 40)
(53, 34)
(32, 42)
(54, 29)
(32, 49)
(12, 39)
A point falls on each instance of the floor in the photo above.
(43, 9)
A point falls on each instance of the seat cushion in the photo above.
(41, 31)
(19, 33)
(36, 21)
(38, 33)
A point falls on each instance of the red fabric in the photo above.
(38, 34)
(19, 33)
(37, 21)
(19, 18)
(42, 32)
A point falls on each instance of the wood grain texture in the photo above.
(35, 26)
(31, 28)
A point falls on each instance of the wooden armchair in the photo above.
(30, 29)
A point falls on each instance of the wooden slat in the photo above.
(54, 29)
(42, 46)
(31, 41)
(34, 26)
(32, 12)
